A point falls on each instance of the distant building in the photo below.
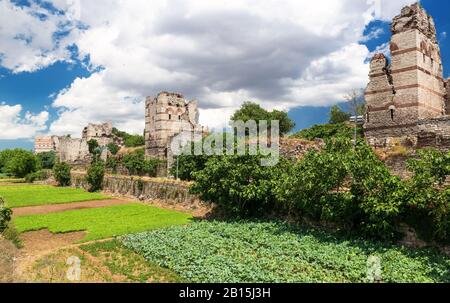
(44, 144)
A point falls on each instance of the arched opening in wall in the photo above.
(170, 117)
(368, 117)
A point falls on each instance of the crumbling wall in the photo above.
(73, 151)
(447, 102)
(167, 191)
(409, 90)
(102, 133)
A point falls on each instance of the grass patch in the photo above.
(101, 262)
(276, 252)
(105, 222)
(123, 262)
(34, 195)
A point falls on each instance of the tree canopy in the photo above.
(253, 111)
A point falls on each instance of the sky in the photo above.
(65, 63)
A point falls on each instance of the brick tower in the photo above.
(166, 116)
(411, 88)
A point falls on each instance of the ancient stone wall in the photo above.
(447, 103)
(74, 151)
(167, 191)
(409, 90)
(102, 133)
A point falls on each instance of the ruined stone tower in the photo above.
(410, 90)
(167, 116)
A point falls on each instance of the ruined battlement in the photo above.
(410, 89)
(167, 116)
(414, 17)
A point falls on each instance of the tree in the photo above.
(129, 140)
(95, 176)
(138, 165)
(93, 145)
(113, 148)
(61, 171)
(47, 159)
(5, 215)
(337, 115)
(239, 184)
(21, 164)
(253, 111)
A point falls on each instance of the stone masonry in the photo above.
(75, 150)
(166, 117)
(408, 97)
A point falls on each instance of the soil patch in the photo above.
(8, 253)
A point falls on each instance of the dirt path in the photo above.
(37, 244)
(45, 209)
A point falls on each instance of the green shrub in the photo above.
(40, 175)
(93, 145)
(239, 184)
(19, 162)
(47, 159)
(328, 131)
(130, 140)
(5, 215)
(112, 164)
(61, 171)
(136, 164)
(95, 176)
(428, 203)
(113, 148)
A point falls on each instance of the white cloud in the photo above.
(31, 37)
(282, 54)
(14, 125)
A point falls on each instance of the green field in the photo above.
(275, 252)
(106, 222)
(34, 195)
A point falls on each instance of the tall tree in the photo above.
(337, 115)
(253, 111)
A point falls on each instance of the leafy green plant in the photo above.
(253, 111)
(95, 176)
(130, 140)
(93, 145)
(137, 164)
(428, 202)
(337, 115)
(272, 252)
(5, 215)
(113, 148)
(328, 131)
(239, 184)
(40, 175)
(61, 171)
(112, 164)
(47, 159)
(19, 163)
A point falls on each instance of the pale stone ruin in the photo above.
(74, 150)
(168, 116)
(408, 101)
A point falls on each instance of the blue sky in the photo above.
(68, 71)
